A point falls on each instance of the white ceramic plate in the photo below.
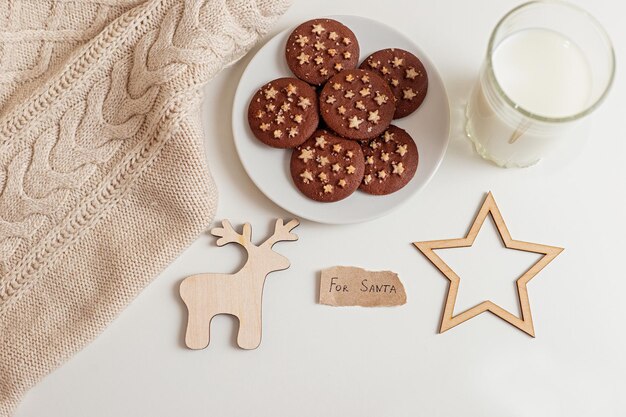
(269, 168)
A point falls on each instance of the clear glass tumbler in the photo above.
(549, 64)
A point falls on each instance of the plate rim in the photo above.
(381, 213)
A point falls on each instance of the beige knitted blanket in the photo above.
(103, 179)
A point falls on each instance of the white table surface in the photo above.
(321, 361)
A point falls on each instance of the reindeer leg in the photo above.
(249, 336)
(198, 329)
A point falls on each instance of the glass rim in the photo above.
(590, 108)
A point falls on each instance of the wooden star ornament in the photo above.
(449, 320)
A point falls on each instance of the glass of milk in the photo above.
(549, 64)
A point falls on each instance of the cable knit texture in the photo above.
(103, 179)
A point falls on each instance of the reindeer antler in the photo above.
(228, 234)
(281, 233)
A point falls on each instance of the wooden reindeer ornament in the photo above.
(239, 294)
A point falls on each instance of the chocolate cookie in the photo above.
(284, 113)
(318, 49)
(390, 162)
(357, 104)
(326, 167)
(405, 74)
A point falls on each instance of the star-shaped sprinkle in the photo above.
(306, 176)
(304, 102)
(337, 148)
(306, 154)
(355, 122)
(302, 40)
(323, 177)
(373, 117)
(367, 179)
(323, 71)
(319, 60)
(260, 114)
(384, 156)
(346, 41)
(338, 66)
(319, 46)
(382, 174)
(297, 118)
(331, 99)
(408, 94)
(341, 110)
(336, 167)
(359, 105)
(279, 119)
(285, 106)
(369, 160)
(270, 93)
(303, 58)
(333, 36)
(291, 89)
(349, 78)
(398, 168)
(380, 99)
(318, 29)
(374, 145)
(411, 73)
(347, 55)
(387, 136)
(349, 94)
(349, 154)
(402, 150)
(364, 92)
(323, 160)
(395, 82)
(264, 127)
(278, 133)
(365, 79)
(350, 169)
(320, 142)
(374, 64)
(336, 86)
(270, 107)
(332, 51)
(293, 131)
(328, 189)
(342, 183)
(385, 70)
(397, 62)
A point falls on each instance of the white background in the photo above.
(321, 361)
